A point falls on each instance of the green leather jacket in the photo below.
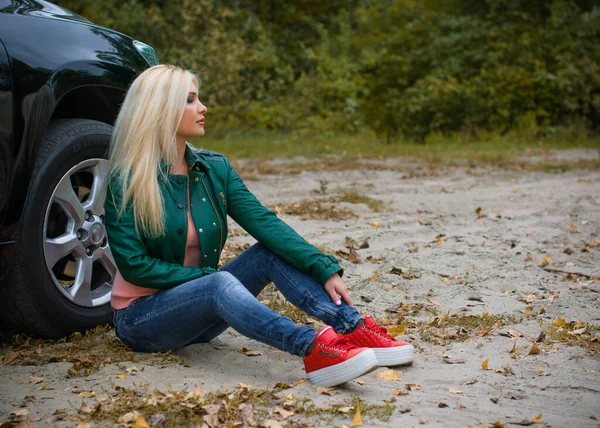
(216, 191)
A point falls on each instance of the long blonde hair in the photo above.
(144, 134)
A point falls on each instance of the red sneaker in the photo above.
(388, 350)
(334, 361)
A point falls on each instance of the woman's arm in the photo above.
(130, 253)
(274, 233)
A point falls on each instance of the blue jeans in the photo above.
(199, 310)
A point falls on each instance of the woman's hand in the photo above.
(336, 287)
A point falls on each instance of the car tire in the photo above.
(61, 277)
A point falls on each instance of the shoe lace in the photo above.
(340, 345)
(378, 330)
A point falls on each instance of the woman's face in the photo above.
(192, 122)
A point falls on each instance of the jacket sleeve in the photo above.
(130, 252)
(274, 233)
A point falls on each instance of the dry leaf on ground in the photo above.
(397, 330)
(527, 422)
(326, 391)
(413, 387)
(485, 364)
(249, 352)
(140, 422)
(534, 349)
(388, 375)
(271, 423)
(284, 413)
(128, 417)
(357, 420)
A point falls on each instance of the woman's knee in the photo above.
(259, 249)
(226, 283)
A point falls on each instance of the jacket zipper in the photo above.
(216, 213)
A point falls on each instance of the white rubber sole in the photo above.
(395, 356)
(360, 364)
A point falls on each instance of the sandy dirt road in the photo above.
(478, 265)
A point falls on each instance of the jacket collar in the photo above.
(193, 157)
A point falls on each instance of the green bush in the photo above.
(400, 68)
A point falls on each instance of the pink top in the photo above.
(123, 292)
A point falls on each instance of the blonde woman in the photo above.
(166, 216)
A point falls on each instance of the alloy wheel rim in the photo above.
(76, 250)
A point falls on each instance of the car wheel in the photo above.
(61, 278)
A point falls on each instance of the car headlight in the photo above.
(147, 52)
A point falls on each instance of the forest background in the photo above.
(401, 70)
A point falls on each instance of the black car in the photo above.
(62, 81)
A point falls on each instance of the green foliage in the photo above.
(399, 68)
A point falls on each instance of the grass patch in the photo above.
(315, 209)
(245, 406)
(448, 328)
(487, 149)
(574, 333)
(562, 167)
(88, 352)
(353, 197)
(323, 163)
(383, 412)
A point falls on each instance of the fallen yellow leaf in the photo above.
(484, 365)
(284, 413)
(357, 420)
(128, 417)
(546, 260)
(121, 376)
(140, 422)
(376, 225)
(388, 375)
(325, 391)
(485, 312)
(196, 393)
(397, 330)
(537, 418)
(534, 349)
(484, 331)
(560, 322)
